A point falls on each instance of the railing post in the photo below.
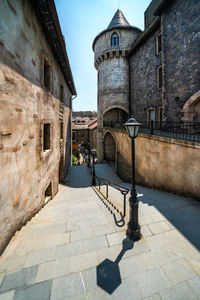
(107, 191)
(93, 174)
(124, 205)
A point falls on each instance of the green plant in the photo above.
(74, 160)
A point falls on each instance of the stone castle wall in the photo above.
(181, 55)
(143, 79)
(26, 170)
(161, 163)
(126, 38)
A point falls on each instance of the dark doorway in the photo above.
(109, 147)
(61, 169)
(48, 193)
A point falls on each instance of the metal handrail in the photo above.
(124, 191)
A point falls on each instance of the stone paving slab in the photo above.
(73, 249)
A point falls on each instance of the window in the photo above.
(150, 114)
(61, 130)
(46, 137)
(160, 111)
(73, 135)
(61, 93)
(114, 39)
(159, 77)
(158, 43)
(47, 75)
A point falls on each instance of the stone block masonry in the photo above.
(30, 117)
(161, 163)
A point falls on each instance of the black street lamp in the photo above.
(133, 230)
(88, 149)
(93, 169)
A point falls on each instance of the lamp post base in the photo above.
(133, 232)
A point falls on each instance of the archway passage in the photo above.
(191, 109)
(115, 118)
(109, 147)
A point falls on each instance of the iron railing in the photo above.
(124, 191)
(179, 130)
(114, 124)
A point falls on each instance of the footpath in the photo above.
(75, 249)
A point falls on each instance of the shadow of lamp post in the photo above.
(108, 272)
(133, 230)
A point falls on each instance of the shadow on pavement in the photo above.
(112, 208)
(183, 213)
(108, 273)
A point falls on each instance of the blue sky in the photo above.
(81, 21)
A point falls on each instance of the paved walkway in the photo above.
(73, 249)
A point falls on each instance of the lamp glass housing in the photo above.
(132, 128)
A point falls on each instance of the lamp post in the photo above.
(88, 148)
(133, 230)
(93, 169)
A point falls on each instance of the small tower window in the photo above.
(114, 39)
(158, 43)
(159, 77)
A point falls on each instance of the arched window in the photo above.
(114, 39)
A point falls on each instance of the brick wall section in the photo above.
(181, 40)
(143, 78)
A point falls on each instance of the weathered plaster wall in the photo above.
(25, 169)
(181, 55)
(161, 163)
(143, 79)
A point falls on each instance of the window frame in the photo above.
(159, 43)
(42, 132)
(159, 77)
(151, 109)
(114, 41)
(47, 75)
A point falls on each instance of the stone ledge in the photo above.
(171, 140)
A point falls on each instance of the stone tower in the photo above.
(110, 48)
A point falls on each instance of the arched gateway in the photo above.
(109, 147)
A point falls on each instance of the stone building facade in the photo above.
(152, 75)
(36, 88)
(110, 49)
(164, 63)
(84, 130)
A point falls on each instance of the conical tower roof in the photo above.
(118, 20)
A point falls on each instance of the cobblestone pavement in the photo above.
(73, 249)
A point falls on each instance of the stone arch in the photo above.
(191, 108)
(110, 147)
(116, 106)
(115, 117)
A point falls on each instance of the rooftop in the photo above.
(118, 20)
